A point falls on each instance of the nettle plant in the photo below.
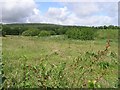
(44, 75)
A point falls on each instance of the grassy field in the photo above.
(58, 62)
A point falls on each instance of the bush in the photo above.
(31, 32)
(87, 34)
(73, 33)
(60, 30)
(6, 29)
(3, 33)
(52, 33)
(83, 33)
(44, 33)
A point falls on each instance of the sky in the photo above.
(63, 12)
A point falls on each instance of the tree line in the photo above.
(35, 29)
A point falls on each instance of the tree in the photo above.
(31, 32)
(44, 33)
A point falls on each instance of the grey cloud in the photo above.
(17, 11)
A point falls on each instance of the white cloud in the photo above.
(36, 17)
(99, 12)
(57, 14)
(80, 13)
(65, 16)
(97, 20)
(83, 9)
(53, 15)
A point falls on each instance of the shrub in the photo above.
(83, 33)
(31, 32)
(52, 33)
(3, 33)
(44, 33)
(7, 30)
(60, 30)
(87, 34)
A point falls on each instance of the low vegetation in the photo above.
(82, 34)
(74, 32)
(60, 57)
(57, 62)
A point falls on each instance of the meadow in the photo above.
(58, 62)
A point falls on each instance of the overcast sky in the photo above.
(64, 12)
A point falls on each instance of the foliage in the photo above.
(13, 30)
(61, 30)
(74, 32)
(52, 33)
(2, 33)
(87, 34)
(83, 33)
(44, 33)
(31, 32)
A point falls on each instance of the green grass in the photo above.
(65, 63)
(107, 33)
